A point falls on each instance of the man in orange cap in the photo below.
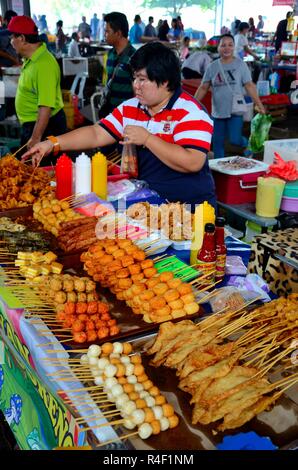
(39, 104)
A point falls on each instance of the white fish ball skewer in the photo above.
(94, 351)
(145, 431)
(117, 348)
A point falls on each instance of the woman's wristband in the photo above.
(56, 145)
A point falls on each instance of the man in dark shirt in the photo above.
(281, 32)
(8, 56)
(118, 68)
(150, 30)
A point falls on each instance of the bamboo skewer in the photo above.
(83, 389)
(111, 441)
(97, 417)
(21, 148)
(89, 428)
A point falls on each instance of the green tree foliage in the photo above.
(175, 6)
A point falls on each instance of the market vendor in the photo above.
(38, 102)
(170, 128)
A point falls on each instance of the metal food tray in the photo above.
(280, 424)
(130, 324)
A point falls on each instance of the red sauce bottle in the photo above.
(63, 177)
(206, 257)
(221, 249)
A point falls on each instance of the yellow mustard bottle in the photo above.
(204, 214)
(100, 175)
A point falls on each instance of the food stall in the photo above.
(110, 337)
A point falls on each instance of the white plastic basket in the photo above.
(74, 66)
(286, 148)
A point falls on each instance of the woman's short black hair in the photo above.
(161, 64)
(118, 22)
(227, 35)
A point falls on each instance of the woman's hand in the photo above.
(135, 135)
(38, 151)
(260, 108)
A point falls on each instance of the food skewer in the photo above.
(111, 441)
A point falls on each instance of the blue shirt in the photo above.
(135, 34)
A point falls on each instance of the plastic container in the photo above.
(83, 174)
(286, 148)
(236, 186)
(289, 204)
(291, 190)
(269, 194)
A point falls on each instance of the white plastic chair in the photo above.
(79, 78)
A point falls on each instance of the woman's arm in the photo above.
(80, 139)
(202, 91)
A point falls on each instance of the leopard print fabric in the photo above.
(281, 277)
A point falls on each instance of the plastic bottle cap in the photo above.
(64, 160)
(220, 221)
(209, 228)
(83, 158)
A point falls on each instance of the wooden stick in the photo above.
(88, 405)
(83, 389)
(21, 148)
(111, 441)
(101, 425)
(208, 287)
(96, 416)
(282, 382)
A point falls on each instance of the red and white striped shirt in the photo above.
(184, 123)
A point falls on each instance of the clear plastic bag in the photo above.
(231, 297)
(235, 266)
(129, 160)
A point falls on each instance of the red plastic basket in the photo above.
(280, 98)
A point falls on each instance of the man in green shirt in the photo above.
(39, 103)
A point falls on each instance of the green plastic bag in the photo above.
(259, 131)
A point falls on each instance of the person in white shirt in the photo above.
(195, 65)
(74, 50)
(241, 42)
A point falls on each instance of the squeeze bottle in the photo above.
(100, 175)
(83, 174)
(64, 175)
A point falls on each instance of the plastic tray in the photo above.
(259, 166)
